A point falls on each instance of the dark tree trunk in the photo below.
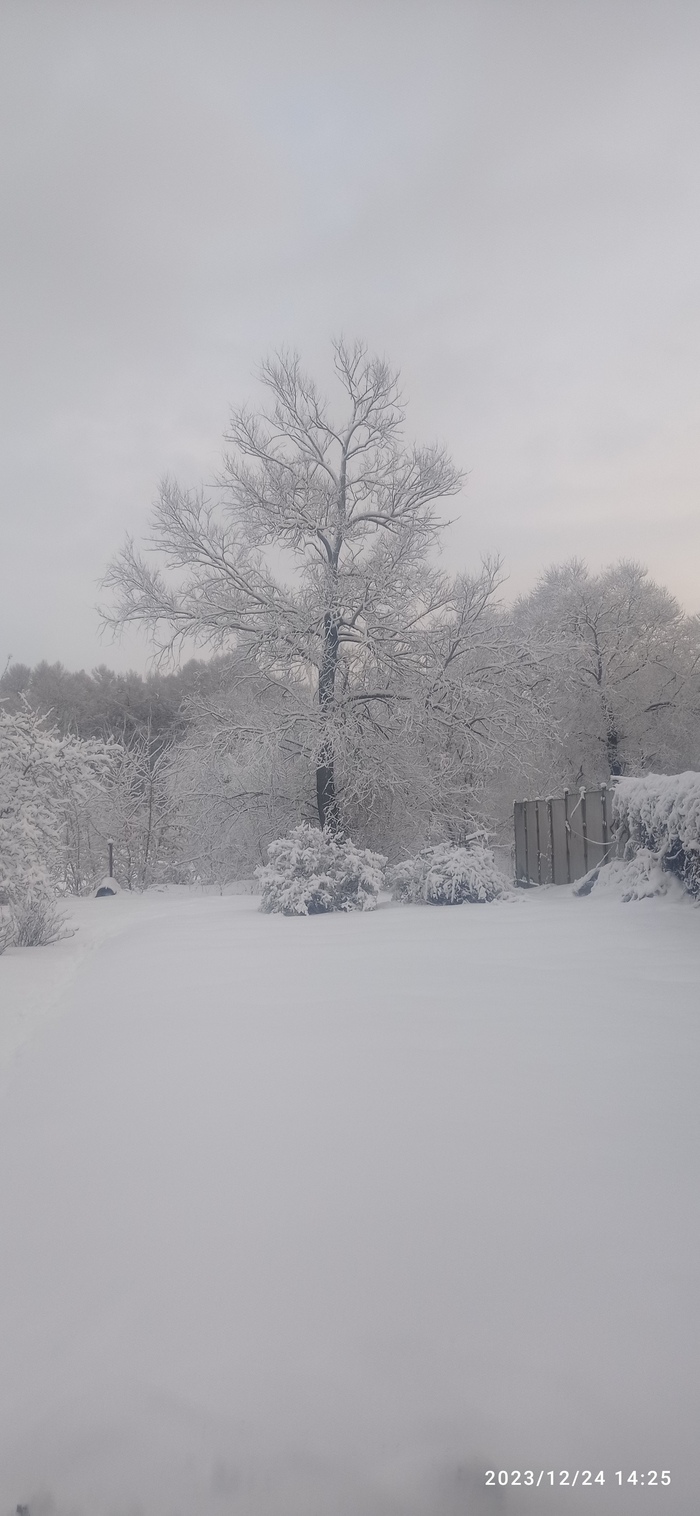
(612, 749)
(326, 798)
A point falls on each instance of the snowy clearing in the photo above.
(304, 1217)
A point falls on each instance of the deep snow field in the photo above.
(332, 1215)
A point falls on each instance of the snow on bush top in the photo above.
(311, 872)
(637, 878)
(661, 812)
(663, 806)
(449, 875)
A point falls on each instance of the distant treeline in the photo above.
(106, 704)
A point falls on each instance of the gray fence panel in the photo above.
(531, 823)
(557, 841)
(562, 871)
(519, 828)
(545, 842)
(577, 848)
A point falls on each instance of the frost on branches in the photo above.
(44, 777)
(311, 872)
(660, 814)
(449, 875)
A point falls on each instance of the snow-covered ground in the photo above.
(331, 1215)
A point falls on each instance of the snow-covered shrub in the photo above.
(637, 878)
(449, 875)
(37, 921)
(7, 930)
(660, 813)
(44, 779)
(311, 872)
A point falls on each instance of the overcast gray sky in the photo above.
(501, 196)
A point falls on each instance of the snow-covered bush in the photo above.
(44, 778)
(637, 878)
(38, 922)
(7, 930)
(449, 875)
(311, 872)
(660, 813)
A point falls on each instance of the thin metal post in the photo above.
(551, 834)
(537, 830)
(110, 857)
(527, 855)
(584, 829)
(604, 803)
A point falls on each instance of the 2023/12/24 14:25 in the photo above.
(568, 1478)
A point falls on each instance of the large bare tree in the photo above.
(351, 509)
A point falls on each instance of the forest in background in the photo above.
(201, 767)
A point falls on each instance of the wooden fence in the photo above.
(559, 840)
